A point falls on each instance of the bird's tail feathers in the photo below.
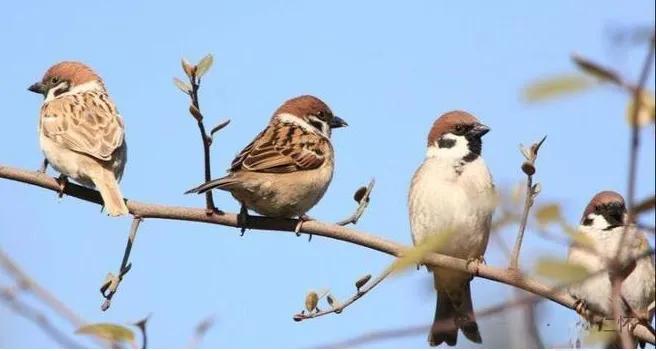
(220, 183)
(454, 311)
(107, 185)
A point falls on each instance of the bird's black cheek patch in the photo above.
(444, 143)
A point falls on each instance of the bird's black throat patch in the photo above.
(475, 145)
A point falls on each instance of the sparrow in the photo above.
(452, 191)
(604, 222)
(80, 131)
(287, 168)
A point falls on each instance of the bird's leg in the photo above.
(301, 219)
(242, 219)
(581, 307)
(475, 261)
(44, 166)
(62, 180)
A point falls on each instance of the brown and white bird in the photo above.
(604, 224)
(80, 131)
(452, 191)
(286, 170)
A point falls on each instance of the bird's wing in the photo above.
(86, 122)
(283, 147)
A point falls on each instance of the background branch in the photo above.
(26, 283)
(8, 296)
(333, 231)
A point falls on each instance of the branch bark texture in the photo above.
(146, 210)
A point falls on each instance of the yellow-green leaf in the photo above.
(561, 271)
(547, 214)
(578, 237)
(556, 86)
(188, 68)
(601, 336)
(204, 65)
(185, 87)
(646, 112)
(311, 301)
(111, 332)
(416, 254)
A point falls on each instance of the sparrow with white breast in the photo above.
(452, 191)
(286, 170)
(80, 131)
(604, 223)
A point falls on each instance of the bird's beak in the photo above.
(479, 130)
(338, 122)
(37, 88)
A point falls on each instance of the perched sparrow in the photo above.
(287, 168)
(604, 223)
(80, 131)
(453, 191)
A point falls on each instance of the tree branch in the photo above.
(333, 231)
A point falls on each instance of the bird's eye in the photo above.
(54, 80)
(460, 129)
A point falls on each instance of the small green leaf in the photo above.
(111, 332)
(561, 271)
(646, 112)
(415, 255)
(547, 214)
(204, 65)
(311, 301)
(185, 87)
(557, 86)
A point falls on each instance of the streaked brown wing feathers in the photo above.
(282, 148)
(85, 122)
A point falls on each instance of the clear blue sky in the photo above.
(388, 68)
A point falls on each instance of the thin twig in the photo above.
(333, 231)
(361, 196)
(339, 307)
(8, 295)
(531, 155)
(206, 143)
(194, 73)
(110, 286)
